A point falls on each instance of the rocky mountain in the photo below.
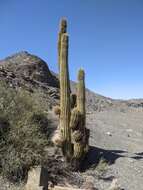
(29, 71)
(23, 70)
(30, 66)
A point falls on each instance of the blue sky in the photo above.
(106, 39)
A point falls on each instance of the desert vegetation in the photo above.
(23, 132)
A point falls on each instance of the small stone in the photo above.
(109, 134)
(114, 185)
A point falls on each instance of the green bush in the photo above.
(24, 132)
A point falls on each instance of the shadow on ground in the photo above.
(56, 170)
(139, 156)
(96, 154)
(110, 156)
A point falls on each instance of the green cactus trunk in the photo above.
(79, 146)
(81, 106)
(81, 99)
(65, 98)
(81, 95)
(72, 113)
(63, 30)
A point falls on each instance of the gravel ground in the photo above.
(118, 138)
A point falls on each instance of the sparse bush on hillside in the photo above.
(23, 132)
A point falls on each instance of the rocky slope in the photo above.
(29, 71)
(24, 64)
(116, 125)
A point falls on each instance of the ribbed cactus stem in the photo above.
(63, 29)
(65, 106)
(79, 147)
(81, 97)
(74, 135)
(81, 91)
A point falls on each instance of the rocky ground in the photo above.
(116, 126)
(118, 137)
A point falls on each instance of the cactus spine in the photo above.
(65, 97)
(77, 136)
(78, 151)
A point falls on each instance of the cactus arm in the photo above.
(81, 99)
(82, 134)
(81, 92)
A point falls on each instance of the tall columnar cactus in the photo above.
(81, 107)
(65, 106)
(81, 95)
(73, 133)
(63, 30)
(79, 146)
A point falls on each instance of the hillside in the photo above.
(32, 73)
(116, 125)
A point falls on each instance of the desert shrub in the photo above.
(4, 127)
(24, 132)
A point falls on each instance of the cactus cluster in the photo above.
(72, 113)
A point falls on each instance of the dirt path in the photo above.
(119, 138)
